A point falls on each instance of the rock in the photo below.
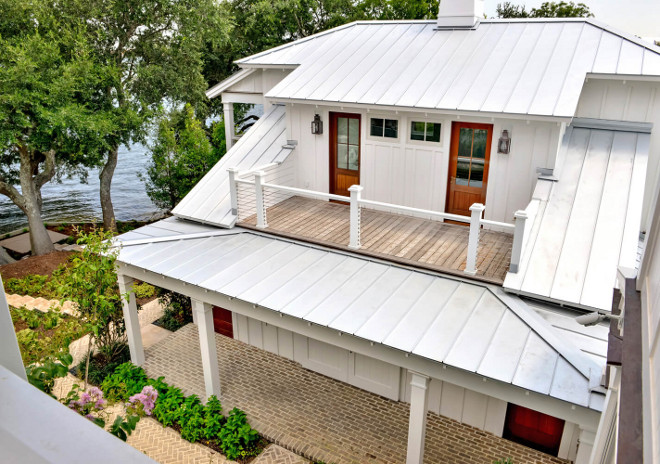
(5, 258)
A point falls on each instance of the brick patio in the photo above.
(318, 417)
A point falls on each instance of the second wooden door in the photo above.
(344, 152)
(468, 166)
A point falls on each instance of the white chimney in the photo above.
(460, 14)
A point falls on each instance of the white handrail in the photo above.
(409, 209)
(306, 193)
(503, 225)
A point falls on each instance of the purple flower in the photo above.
(144, 401)
(90, 417)
(84, 399)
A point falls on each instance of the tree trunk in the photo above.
(39, 239)
(5, 258)
(105, 177)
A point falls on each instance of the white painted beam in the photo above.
(419, 399)
(204, 316)
(131, 320)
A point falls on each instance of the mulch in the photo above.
(42, 265)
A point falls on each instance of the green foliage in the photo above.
(47, 334)
(100, 367)
(503, 461)
(144, 290)
(213, 418)
(33, 285)
(546, 10)
(43, 375)
(127, 380)
(167, 405)
(180, 156)
(122, 428)
(191, 419)
(91, 282)
(177, 312)
(236, 435)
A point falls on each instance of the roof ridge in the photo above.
(573, 355)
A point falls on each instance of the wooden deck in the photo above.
(403, 239)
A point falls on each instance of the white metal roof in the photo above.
(209, 201)
(534, 67)
(587, 223)
(474, 327)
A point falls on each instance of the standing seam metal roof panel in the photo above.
(465, 325)
(534, 67)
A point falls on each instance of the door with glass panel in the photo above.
(468, 166)
(344, 152)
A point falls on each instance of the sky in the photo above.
(638, 17)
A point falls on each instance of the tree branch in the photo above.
(48, 172)
(11, 192)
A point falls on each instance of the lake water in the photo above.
(72, 201)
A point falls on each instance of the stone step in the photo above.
(41, 304)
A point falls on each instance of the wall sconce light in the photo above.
(317, 125)
(504, 143)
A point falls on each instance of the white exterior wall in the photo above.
(413, 173)
(463, 405)
(260, 81)
(621, 100)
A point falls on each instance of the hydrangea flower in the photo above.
(143, 402)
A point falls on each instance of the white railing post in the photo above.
(355, 216)
(518, 235)
(233, 191)
(262, 223)
(477, 210)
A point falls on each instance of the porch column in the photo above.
(229, 123)
(207, 346)
(131, 320)
(585, 446)
(419, 398)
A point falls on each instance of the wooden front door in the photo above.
(344, 152)
(468, 166)
(222, 322)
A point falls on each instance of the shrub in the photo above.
(127, 380)
(213, 418)
(100, 366)
(167, 407)
(191, 419)
(177, 312)
(144, 290)
(236, 436)
(43, 375)
(33, 285)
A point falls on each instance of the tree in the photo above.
(46, 127)
(181, 155)
(152, 50)
(546, 10)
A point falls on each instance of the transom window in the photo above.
(425, 131)
(384, 128)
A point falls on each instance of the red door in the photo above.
(534, 429)
(344, 152)
(222, 322)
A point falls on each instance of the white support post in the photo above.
(477, 210)
(518, 236)
(262, 221)
(355, 216)
(207, 346)
(131, 320)
(585, 446)
(233, 190)
(419, 399)
(229, 123)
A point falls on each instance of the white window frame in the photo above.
(382, 138)
(412, 119)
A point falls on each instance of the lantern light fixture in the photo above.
(504, 143)
(317, 125)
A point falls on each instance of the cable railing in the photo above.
(261, 197)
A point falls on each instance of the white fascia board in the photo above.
(581, 415)
(623, 77)
(241, 97)
(268, 66)
(411, 109)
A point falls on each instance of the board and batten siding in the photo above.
(393, 382)
(627, 100)
(412, 173)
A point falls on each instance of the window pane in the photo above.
(342, 130)
(353, 131)
(432, 132)
(353, 152)
(376, 127)
(342, 156)
(391, 128)
(462, 171)
(480, 140)
(465, 142)
(477, 173)
(417, 131)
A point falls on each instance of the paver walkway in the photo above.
(21, 243)
(318, 417)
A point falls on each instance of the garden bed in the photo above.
(40, 265)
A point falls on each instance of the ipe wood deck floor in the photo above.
(403, 239)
